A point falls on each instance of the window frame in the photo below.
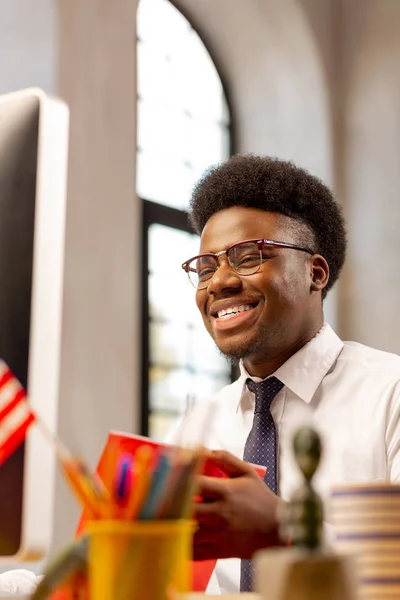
(155, 213)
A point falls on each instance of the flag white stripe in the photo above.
(8, 392)
(13, 421)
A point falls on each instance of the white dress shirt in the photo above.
(347, 391)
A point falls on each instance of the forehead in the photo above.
(238, 223)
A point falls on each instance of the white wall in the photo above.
(372, 174)
(28, 44)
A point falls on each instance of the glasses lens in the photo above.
(201, 269)
(245, 258)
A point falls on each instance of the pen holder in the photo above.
(144, 560)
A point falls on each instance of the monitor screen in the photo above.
(33, 163)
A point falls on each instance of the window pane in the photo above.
(207, 142)
(204, 95)
(163, 180)
(169, 345)
(171, 295)
(165, 242)
(159, 22)
(161, 424)
(152, 71)
(170, 389)
(176, 390)
(163, 303)
(182, 115)
(163, 131)
(185, 363)
(165, 79)
(204, 354)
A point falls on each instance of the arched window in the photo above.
(183, 127)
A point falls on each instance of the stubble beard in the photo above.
(241, 352)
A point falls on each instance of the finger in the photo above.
(232, 465)
(210, 487)
(208, 514)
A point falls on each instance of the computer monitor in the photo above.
(33, 172)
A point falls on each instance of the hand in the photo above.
(236, 516)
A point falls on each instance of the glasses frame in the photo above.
(259, 242)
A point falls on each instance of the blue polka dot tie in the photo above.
(260, 448)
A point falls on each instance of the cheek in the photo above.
(286, 286)
(201, 301)
(296, 283)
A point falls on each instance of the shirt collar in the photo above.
(303, 372)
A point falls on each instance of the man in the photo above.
(262, 303)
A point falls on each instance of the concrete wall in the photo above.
(101, 333)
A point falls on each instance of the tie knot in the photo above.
(264, 391)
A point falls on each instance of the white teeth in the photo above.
(233, 310)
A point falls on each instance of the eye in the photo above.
(205, 273)
(205, 267)
(249, 260)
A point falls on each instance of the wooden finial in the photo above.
(303, 515)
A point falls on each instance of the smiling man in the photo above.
(273, 243)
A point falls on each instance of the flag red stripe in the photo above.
(15, 413)
(20, 395)
(16, 438)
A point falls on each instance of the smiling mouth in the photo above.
(228, 313)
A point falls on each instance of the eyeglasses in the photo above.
(245, 258)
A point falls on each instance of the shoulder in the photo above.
(370, 359)
(365, 370)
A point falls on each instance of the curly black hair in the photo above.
(274, 185)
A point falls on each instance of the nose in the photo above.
(224, 279)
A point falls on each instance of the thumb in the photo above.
(230, 464)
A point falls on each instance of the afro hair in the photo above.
(279, 186)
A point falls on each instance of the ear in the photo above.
(319, 273)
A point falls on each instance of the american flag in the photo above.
(15, 413)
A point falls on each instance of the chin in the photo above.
(240, 349)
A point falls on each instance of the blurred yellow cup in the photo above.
(141, 560)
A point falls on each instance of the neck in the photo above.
(264, 366)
